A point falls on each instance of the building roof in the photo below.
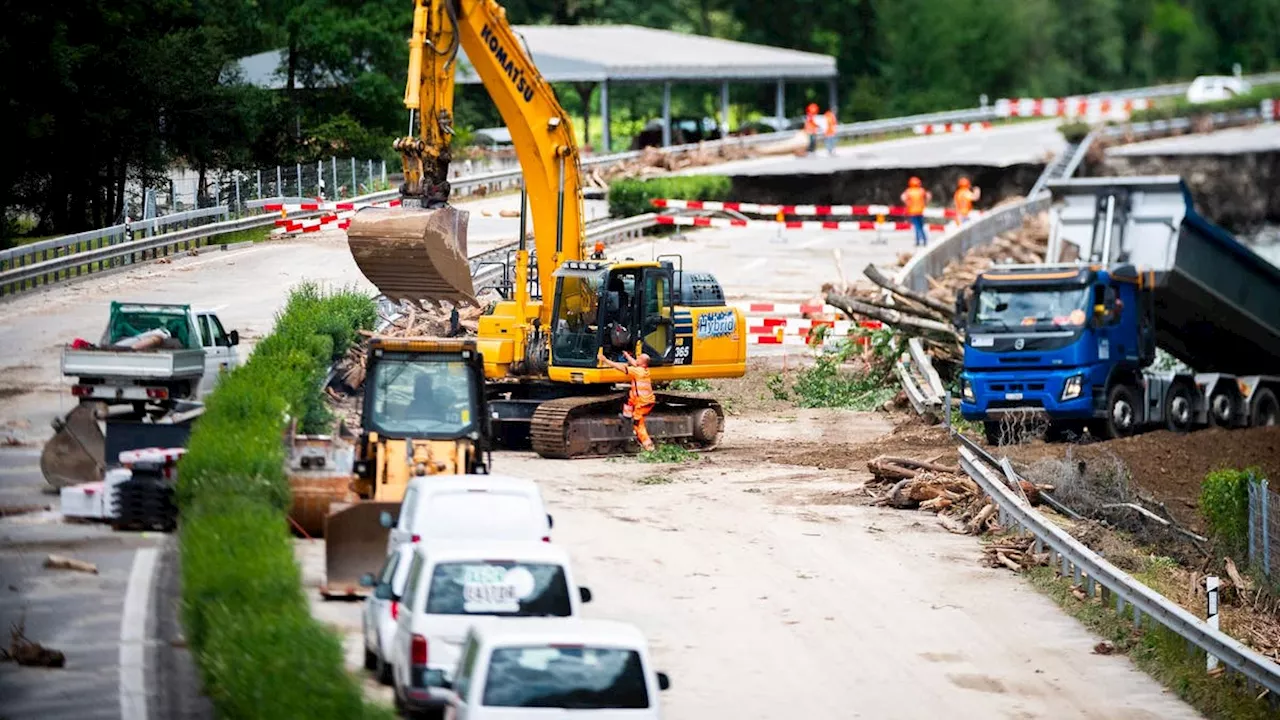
(618, 53)
(628, 53)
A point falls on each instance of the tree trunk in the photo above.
(891, 317)
(873, 273)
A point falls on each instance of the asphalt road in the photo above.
(1025, 142)
(1233, 141)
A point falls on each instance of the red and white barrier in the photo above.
(801, 210)
(1070, 107)
(1270, 109)
(772, 308)
(285, 208)
(796, 331)
(791, 224)
(338, 215)
(947, 128)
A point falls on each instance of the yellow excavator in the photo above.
(539, 344)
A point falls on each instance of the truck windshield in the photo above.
(1006, 310)
(575, 333)
(415, 395)
(565, 677)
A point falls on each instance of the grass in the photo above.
(695, 385)
(830, 383)
(1158, 652)
(667, 453)
(654, 480)
(259, 651)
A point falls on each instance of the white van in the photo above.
(558, 668)
(1212, 88)
(489, 507)
(450, 584)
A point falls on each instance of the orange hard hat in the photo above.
(914, 182)
(964, 182)
(813, 107)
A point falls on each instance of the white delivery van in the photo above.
(490, 507)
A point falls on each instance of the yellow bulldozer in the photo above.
(423, 413)
(544, 383)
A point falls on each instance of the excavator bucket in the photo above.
(355, 543)
(413, 254)
(75, 454)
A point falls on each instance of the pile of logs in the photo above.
(911, 313)
(1016, 552)
(960, 504)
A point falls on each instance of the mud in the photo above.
(885, 185)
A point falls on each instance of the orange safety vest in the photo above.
(810, 124)
(915, 201)
(964, 202)
(641, 386)
(831, 123)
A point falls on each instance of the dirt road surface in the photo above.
(770, 590)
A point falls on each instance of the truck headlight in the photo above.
(966, 390)
(1071, 388)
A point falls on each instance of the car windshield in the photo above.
(416, 395)
(499, 587)
(565, 677)
(1005, 310)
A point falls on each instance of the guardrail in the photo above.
(1097, 577)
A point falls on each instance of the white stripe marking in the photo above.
(133, 636)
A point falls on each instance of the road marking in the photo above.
(133, 635)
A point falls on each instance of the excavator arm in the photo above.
(417, 252)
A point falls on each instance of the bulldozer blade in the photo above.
(74, 455)
(413, 254)
(355, 543)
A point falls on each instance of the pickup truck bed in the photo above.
(121, 364)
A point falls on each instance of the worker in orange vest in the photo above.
(811, 126)
(964, 199)
(916, 198)
(641, 400)
(830, 131)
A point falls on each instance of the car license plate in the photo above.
(1013, 396)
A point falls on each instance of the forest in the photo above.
(103, 93)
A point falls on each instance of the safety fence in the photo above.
(1264, 525)
(333, 178)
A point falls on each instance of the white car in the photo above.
(382, 609)
(558, 668)
(450, 584)
(1212, 88)
(489, 507)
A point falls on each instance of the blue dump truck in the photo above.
(1070, 344)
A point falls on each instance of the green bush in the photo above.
(1181, 107)
(1074, 132)
(260, 653)
(828, 384)
(634, 197)
(1224, 499)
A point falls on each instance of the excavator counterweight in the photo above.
(413, 254)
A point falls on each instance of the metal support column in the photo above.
(831, 94)
(780, 102)
(604, 116)
(666, 114)
(724, 109)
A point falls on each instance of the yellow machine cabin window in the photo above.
(575, 334)
(657, 314)
(416, 395)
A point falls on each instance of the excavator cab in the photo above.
(423, 413)
(625, 306)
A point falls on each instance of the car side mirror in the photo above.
(383, 592)
(664, 682)
(366, 580)
(584, 594)
(233, 338)
(551, 523)
(385, 519)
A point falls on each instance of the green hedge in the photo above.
(247, 620)
(1181, 107)
(633, 197)
(1224, 499)
(1074, 132)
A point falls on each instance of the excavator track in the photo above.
(580, 427)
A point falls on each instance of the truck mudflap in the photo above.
(76, 452)
(355, 543)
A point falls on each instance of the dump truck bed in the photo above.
(1217, 303)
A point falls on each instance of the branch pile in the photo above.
(1016, 552)
(957, 500)
(911, 313)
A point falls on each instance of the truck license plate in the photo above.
(1013, 396)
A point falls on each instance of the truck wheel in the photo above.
(1266, 411)
(1221, 409)
(1179, 409)
(383, 671)
(1122, 414)
(370, 660)
(991, 433)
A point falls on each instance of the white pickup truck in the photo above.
(152, 353)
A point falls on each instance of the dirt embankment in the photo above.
(885, 185)
(1239, 191)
